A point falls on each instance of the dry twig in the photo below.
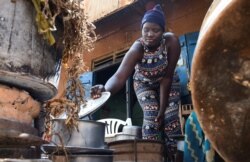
(79, 37)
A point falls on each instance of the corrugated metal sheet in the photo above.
(97, 9)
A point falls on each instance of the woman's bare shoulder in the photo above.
(136, 48)
(169, 36)
(135, 52)
(171, 40)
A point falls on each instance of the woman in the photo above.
(153, 57)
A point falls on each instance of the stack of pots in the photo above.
(85, 144)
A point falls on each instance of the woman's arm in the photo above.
(174, 49)
(118, 80)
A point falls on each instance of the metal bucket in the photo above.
(26, 59)
(123, 136)
(133, 130)
(91, 134)
(137, 151)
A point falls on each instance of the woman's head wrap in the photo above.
(154, 15)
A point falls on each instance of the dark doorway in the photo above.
(117, 105)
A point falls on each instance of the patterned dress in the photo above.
(147, 76)
(197, 147)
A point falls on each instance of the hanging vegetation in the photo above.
(79, 37)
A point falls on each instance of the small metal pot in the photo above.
(91, 134)
(133, 130)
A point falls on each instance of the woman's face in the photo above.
(151, 34)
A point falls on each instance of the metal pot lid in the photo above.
(59, 150)
(90, 106)
(93, 105)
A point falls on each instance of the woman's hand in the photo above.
(160, 120)
(96, 91)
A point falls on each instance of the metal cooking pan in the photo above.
(91, 134)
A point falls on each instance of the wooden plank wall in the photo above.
(185, 16)
(97, 9)
(116, 34)
(119, 33)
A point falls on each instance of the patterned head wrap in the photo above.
(154, 15)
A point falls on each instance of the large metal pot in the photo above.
(91, 134)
